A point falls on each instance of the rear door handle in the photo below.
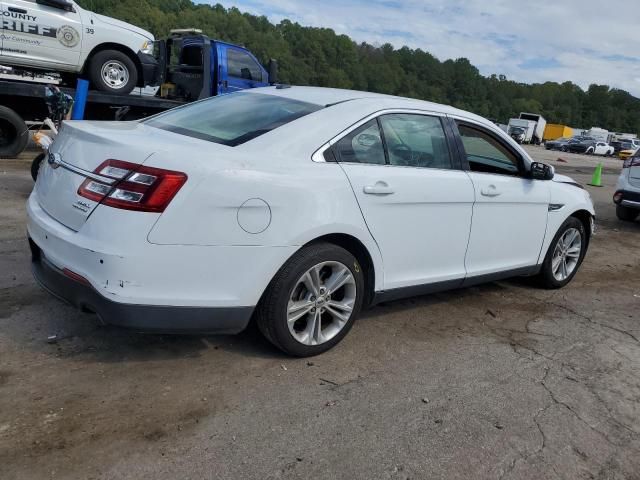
(380, 188)
(16, 10)
(490, 191)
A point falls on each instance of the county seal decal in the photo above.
(68, 36)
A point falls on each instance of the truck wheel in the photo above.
(14, 134)
(113, 71)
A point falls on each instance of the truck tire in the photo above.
(113, 71)
(14, 134)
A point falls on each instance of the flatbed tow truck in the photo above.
(191, 67)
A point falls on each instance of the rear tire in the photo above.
(276, 314)
(550, 277)
(626, 214)
(14, 134)
(113, 71)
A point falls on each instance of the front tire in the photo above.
(626, 214)
(113, 71)
(313, 301)
(565, 255)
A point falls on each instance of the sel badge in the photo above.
(68, 36)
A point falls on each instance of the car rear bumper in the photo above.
(146, 318)
(629, 199)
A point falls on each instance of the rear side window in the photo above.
(232, 119)
(415, 141)
(363, 145)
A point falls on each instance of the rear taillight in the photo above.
(133, 187)
(631, 162)
(617, 197)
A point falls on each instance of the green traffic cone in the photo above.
(596, 180)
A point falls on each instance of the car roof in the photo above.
(325, 97)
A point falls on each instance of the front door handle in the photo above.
(490, 191)
(380, 188)
(16, 10)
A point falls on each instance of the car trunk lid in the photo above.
(78, 150)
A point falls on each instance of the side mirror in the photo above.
(542, 171)
(273, 71)
(65, 5)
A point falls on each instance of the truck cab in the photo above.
(60, 36)
(196, 67)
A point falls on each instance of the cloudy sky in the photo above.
(585, 41)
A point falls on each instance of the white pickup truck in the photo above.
(60, 36)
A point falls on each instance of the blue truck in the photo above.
(190, 66)
(195, 67)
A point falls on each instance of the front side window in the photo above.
(242, 65)
(486, 154)
(415, 141)
(232, 119)
(363, 145)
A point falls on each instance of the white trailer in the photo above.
(600, 134)
(522, 131)
(540, 122)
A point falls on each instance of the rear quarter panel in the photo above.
(305, 200)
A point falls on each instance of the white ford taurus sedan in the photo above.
(295, 206)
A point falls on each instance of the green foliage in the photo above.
(318, 56)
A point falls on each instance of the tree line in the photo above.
(319, 56)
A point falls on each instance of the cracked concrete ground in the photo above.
(498, 381)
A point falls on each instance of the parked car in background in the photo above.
(559, 144)
(585, 145)
(627, 153)
(295, 206)
(603, 148)
(627, 196)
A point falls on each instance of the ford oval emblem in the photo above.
(54, 160)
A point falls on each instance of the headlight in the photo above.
(147, 47)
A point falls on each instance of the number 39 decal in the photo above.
(90, 31)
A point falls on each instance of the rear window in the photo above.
(232, 119)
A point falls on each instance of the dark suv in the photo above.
(582, 145)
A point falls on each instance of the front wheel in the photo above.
(565, 254)
(313, 300)
(113, 71)
(626, 214)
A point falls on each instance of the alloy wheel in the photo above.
(566, 254)
(321, 303)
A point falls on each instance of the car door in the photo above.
(42, 33)
(415, 200)
(238, 69)
(510, 211)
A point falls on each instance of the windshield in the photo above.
(232, 119)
